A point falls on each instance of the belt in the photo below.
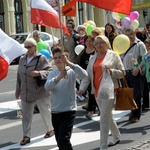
(128, 70)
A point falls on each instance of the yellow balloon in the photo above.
(91, 23)
(120, 44)
(86, 24)
(135, 24)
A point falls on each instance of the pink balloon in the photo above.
(126, 22)
(133, 15)
(118, 24)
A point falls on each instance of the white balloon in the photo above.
(78, 49)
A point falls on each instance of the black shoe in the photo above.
(36, 109)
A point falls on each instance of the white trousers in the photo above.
(27, 110)
(107, 122)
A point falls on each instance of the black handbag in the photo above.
(39, 80)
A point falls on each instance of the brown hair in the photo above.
(57, 50)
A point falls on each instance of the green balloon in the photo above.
(121, 15)
(89, 29)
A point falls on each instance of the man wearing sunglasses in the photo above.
(40, 44)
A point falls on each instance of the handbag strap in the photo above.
(130, 48)
(124, 80)
(37, 62)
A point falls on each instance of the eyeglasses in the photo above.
(29, 46)
(99, 43)
(35, 36)
(131, 34)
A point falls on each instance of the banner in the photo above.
(140, 4)
(69, 9)
(54, 4)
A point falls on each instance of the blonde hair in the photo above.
(105, 39)
(97, 31)
(30, 41)
(81, 27)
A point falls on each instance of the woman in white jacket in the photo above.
(104, 59)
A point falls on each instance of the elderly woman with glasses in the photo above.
(104, 60)
(30, 66)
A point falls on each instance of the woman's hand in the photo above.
(34, 73)
(108, 69)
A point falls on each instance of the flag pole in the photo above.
(52, 34)
(61, 34)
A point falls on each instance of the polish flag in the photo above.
(42, 13)
(9, 50)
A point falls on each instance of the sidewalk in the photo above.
(143, 145)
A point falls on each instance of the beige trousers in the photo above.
(27, 110)
(107, 122)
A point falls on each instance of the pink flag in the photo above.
(9, 50)
(42, 13)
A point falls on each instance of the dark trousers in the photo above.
(145, 94)
(136, 82)
(63, 126)
(148, 86)
(92, 101)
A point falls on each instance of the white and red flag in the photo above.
(9, 50)
(43, 14)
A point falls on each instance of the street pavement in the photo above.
(86, 132)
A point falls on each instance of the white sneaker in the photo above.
(81, 98)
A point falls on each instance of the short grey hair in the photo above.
(129, 29)
(31, 41)
(104, 38)
(37, 32)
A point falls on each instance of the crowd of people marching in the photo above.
(82, 75)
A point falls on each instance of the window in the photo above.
(88, 11)
(2, 15)
(44, 37)
(18, 16)
(80, 11)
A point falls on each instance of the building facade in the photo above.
(15, 16)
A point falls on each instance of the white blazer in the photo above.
(111, 60)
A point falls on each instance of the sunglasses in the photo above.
(28, 46)
(35, 36)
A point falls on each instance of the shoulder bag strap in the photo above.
(37, 62)
(131, 47)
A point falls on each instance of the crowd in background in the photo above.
(96, 58)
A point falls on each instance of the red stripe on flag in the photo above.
(46, 18)
(3, 68)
